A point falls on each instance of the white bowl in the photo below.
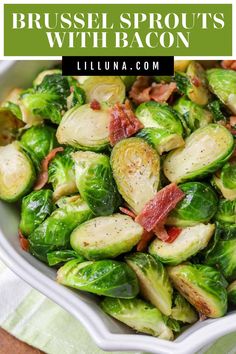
(107, 333)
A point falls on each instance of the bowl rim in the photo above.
(108, 341)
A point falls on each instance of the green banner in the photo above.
(119, 30)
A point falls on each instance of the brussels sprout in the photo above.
(215, 107)
(104, 89)
(194, 83)
(106, 277)
(232, 293)
(38, 141)
(203, 286)
(36, 207)
(77, 97)
(228, 175)
(139, 315)
(194, 115)
(166, 79)
(182, 311)
(190, 241)
(106, 237)
(223, 256)
(61, 174)
(54, 233)
(226, 212)
(48, 99)
(199, 205)
(160, 139)
(205, 151)
(60, 257)
(40, 77)
(95, 182)
(163, 129)
(227, 193)
(9, 126)
(17, 173)
(128, 81)
(136, 169)
(181, 65)
(85, 128)
(223, 84)
(153, 279)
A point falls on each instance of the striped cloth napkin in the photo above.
(36, 320)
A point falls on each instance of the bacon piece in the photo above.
(137, 92)
(157, 92)
(157, 209)
(160, 231)
(173, 233)
(145, 239)
(127, 212)
(229, 64)
(123, 123)
(196, 81)
(24, 243)
(43, 174)
(232, 121)
(95, 105)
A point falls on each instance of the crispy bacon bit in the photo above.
(173, 233)
(137, 92)
(160, 231)
(229, 64)
(196, 81)
(232, 121)
(95, 105)
(127, 212)
(43, 174)
(24, 243)
(142, 92)
(123, 123)
(157, 209)
(145, 239)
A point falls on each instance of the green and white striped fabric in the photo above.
(33, 318)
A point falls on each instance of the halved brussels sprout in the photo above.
(106, 237)
(228, 175)
(232, 293)
(38, 141)
(223, 84)
(128, 81)
(181, 65)
(54, 233)
(199, 205)
(227, 193)
(153, 280)
(194, 83)
(36, 207)
(195, 115)
(61, 257)
(136, 169)
(85, 128)
(17, 173)
(104, 89)
(106, 277)
(182, 310)
(226, 212)
(48, 99)
(190, 241)
(203, 286)
(205, 151)
(215, 107)
(39, 78)
(9, 126)
(138, 315)
(61, 174)
(163, 129)
(223, 256)
(95, 182)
